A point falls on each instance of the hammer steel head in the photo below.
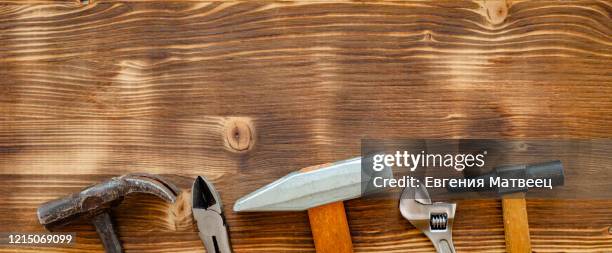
(97, 198)
(552, 170)
(310, 187)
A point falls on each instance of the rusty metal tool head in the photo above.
(95, 201)
(208, 213)
(433, 219)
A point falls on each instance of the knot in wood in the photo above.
(427, 36)
(180, 217)
(496, 11)
(239, 134)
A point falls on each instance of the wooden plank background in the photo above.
(246, 92)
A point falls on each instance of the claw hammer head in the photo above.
(94, 202)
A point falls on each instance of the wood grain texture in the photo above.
(92, 91)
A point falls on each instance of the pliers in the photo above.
(208, 213)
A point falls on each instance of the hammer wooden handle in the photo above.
(330, 229)
(516, 224)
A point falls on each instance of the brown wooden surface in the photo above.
(246, 92)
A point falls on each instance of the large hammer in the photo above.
(516, 224)
(319, 189)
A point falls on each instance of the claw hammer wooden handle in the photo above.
(516, 224)
(330, 230)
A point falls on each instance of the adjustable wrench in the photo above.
(433, 219)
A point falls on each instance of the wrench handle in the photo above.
(330, 230)
(516, 224)
(444, 246)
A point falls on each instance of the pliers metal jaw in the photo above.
(208, 213)
(433, 219)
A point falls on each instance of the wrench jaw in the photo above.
(435, 220)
